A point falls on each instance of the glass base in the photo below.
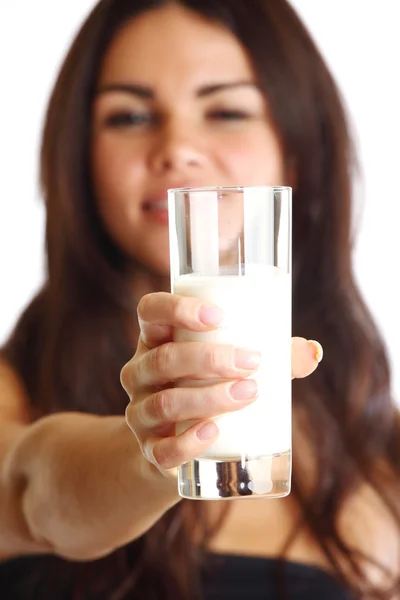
(213, 479)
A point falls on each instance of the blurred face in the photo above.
(176, 106)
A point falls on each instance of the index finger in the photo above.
(159, 313)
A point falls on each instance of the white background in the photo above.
(361, 43)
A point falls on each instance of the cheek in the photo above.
(116, 175)
(114, 167)
(116, 182)
(255, 160)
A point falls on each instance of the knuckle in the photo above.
(164, 357)
(125, 377)
(162, 404)
(131, 416)
(143, 306)
(147, 447)
(167, 456)
(159, 457)
(219, 396)
(179, 308)
(213, 359)
(129, 376)
(217, 399)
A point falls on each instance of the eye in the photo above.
(129, 119)
(229, 115)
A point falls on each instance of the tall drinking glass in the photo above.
(232, 247)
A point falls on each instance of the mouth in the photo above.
(155, 206)
(156, 209)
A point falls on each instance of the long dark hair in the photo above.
(72, 341)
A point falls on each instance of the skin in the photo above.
(189, 134)
(206, 123)
(198, 122)
(165, 118)
(183, 133)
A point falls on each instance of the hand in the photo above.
(156, 405)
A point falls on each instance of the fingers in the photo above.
(306, 355)
(175, 405)
(170, 452)
(153, 413)
(172, 362)
(192, 360)
(159, 313)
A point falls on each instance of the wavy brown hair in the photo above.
(71, 342)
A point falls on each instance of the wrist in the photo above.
(144, 475)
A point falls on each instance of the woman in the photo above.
(153, 95)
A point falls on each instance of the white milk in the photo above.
(258, 316)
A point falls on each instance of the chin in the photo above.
(158, 266)
(162, 271)
(152, 260)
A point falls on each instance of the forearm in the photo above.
(84, 486)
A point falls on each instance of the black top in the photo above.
(251, 578)
(225, 577)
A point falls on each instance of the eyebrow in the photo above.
(147, 93)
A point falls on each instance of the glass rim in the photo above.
(238, 188)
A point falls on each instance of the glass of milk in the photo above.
(232, 247)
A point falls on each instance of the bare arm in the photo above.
(73, 484)
(81, 485)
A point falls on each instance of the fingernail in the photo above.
(247, 359)
(207, 431)
(243, 390)
(316, 350)
(211, 315)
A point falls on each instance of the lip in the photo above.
(156, 207)
(155, 203)
(160, 196)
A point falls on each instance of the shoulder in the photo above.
(14, 400)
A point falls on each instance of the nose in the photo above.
(177, 148)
